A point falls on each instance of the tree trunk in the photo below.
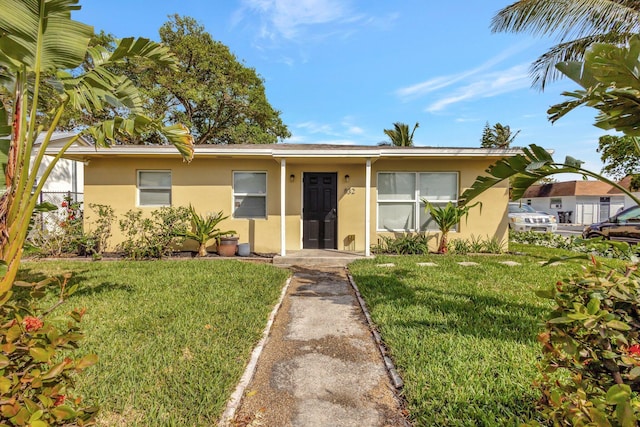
(202, 250)
(442, 248)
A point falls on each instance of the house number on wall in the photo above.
(349, 190)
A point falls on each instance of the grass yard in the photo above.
(463, 338)
(173, 337)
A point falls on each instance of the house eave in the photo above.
(282, 151)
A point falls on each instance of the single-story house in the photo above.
(578, 202)
(286, 197)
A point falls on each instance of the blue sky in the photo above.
(341, 71)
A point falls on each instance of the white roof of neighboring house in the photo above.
(58, 139)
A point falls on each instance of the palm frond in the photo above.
(400, 136)
(610, 79)
(576, 24)
(568, 19)
(543, 70)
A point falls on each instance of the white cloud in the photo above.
(288, 18)
(441, 82)
(313, 127)
(466, 120)
(295, 139)
(486, 86)
(351, 128)
(344, 132)
(303, 140)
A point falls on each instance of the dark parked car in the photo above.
(623, 226)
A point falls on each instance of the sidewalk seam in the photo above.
(236, 397)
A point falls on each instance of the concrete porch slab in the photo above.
(318, 257)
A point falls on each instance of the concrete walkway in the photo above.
(320, 365)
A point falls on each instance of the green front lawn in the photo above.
(463, 338)
(173, 337)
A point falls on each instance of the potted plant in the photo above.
(227, 244)
(204, 228)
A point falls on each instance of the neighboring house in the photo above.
(67, 175)
(287, 197)
(578, 202)
(66, 178)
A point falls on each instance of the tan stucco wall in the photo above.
(206, 184)
(489, 221)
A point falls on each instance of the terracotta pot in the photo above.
(227, 246)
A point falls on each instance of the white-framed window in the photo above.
(249, 194)
(154, 188)
(400, 197)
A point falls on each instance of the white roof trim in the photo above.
(283, 152)
(60, 138)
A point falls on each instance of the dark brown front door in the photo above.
(319, 214)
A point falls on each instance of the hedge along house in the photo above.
(287, 197)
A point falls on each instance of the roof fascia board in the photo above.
(290, 153)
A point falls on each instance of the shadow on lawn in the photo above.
(447, 310)
(79, 277)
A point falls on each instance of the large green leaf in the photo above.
(610, 78)
(41, 34)
(99, 87)
(524, 170)
(107, 132)
(576, 72)
(129, 47)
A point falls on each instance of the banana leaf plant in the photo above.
(447, 217)
(38, 41)
(610, 81)
(204, 229)
(523, 170)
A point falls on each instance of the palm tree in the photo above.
(204, 228)
(399, 135)
(38, 41)
(447, 217)
(498, 136)
(577, 25)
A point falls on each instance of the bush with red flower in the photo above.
(71, 224)
(36, 381)
(591, 349)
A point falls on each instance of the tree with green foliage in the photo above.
(619, 156)
(498, 136)
(577, 25)
(399, 136)
(219, 98)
